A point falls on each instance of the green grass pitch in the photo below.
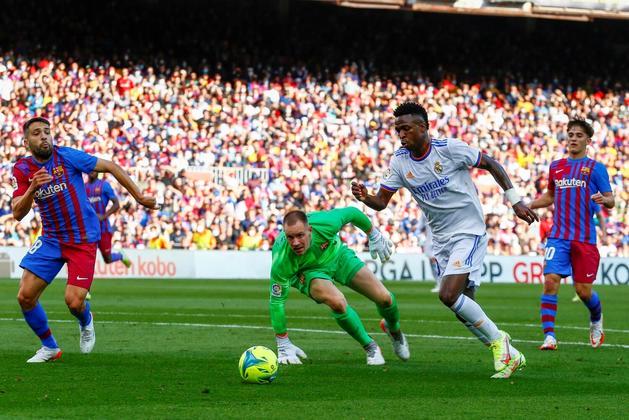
(170, 349)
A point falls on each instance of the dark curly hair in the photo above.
(411, 108)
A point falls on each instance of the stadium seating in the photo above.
(310, 132)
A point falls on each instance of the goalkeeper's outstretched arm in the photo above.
(287, 352)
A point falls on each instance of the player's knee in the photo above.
(550, 287)
(583, 293)
(448, 296)
(75, 303)
(26, 301)
(338, 304)
(107, 258)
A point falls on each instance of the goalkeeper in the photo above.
(309, 256)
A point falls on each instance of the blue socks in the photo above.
(116, 256)
(594, 305)
(84, 317)
(37, 319)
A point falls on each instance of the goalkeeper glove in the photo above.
(287, 352)
(379, 246)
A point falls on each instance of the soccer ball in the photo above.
(258, 365)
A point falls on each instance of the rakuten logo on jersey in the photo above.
(94, 199)
(570, 183)
(50, 190)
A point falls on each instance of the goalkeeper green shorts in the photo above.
(341, 270)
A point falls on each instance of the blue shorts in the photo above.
(571, 258)
(47, 256)
(557, 257)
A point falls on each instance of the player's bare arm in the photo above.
(378, 202)
(606, 199)
(500, 175)
(115, 206)
(103, 165)
(545, 200)
(22, 205)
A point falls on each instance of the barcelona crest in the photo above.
(57, 171)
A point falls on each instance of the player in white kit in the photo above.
(428, 251)
(437, 173)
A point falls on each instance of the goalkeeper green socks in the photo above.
(391, 315)
(351, 323)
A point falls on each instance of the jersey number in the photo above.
(549, 253)
(38, 243)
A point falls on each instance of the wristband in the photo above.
(512, 196)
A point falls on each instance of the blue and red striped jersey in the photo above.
(575, 181)
(65, 211)
(100, 193)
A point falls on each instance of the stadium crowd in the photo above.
(310, 133)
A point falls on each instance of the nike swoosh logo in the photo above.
(30, 180)
(560, 170)
(589, 275)
(81, 278)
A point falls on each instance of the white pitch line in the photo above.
(307, 330)
(312, 317)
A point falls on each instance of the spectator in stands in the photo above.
(288, 132)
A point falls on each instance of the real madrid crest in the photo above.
(387, 174)
(438, 167)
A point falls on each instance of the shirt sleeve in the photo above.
(109, 192)
(463, 154)
(19, 182)
(79, 159)
(551, 178)
(331, 222)
(600, 178)
(391, 179)
(279, 288)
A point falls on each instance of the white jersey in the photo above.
(441, 184)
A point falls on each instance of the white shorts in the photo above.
(428, 246)
(462, 254)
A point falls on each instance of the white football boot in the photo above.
(45, 354)
(597, 336)
(374, 356)
(400, 347)
(550, 343)
(87, 336)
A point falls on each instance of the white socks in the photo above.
(477, 333)
(471, 311)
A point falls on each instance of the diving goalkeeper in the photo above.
(309, 256)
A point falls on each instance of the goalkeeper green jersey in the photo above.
(326, 258)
